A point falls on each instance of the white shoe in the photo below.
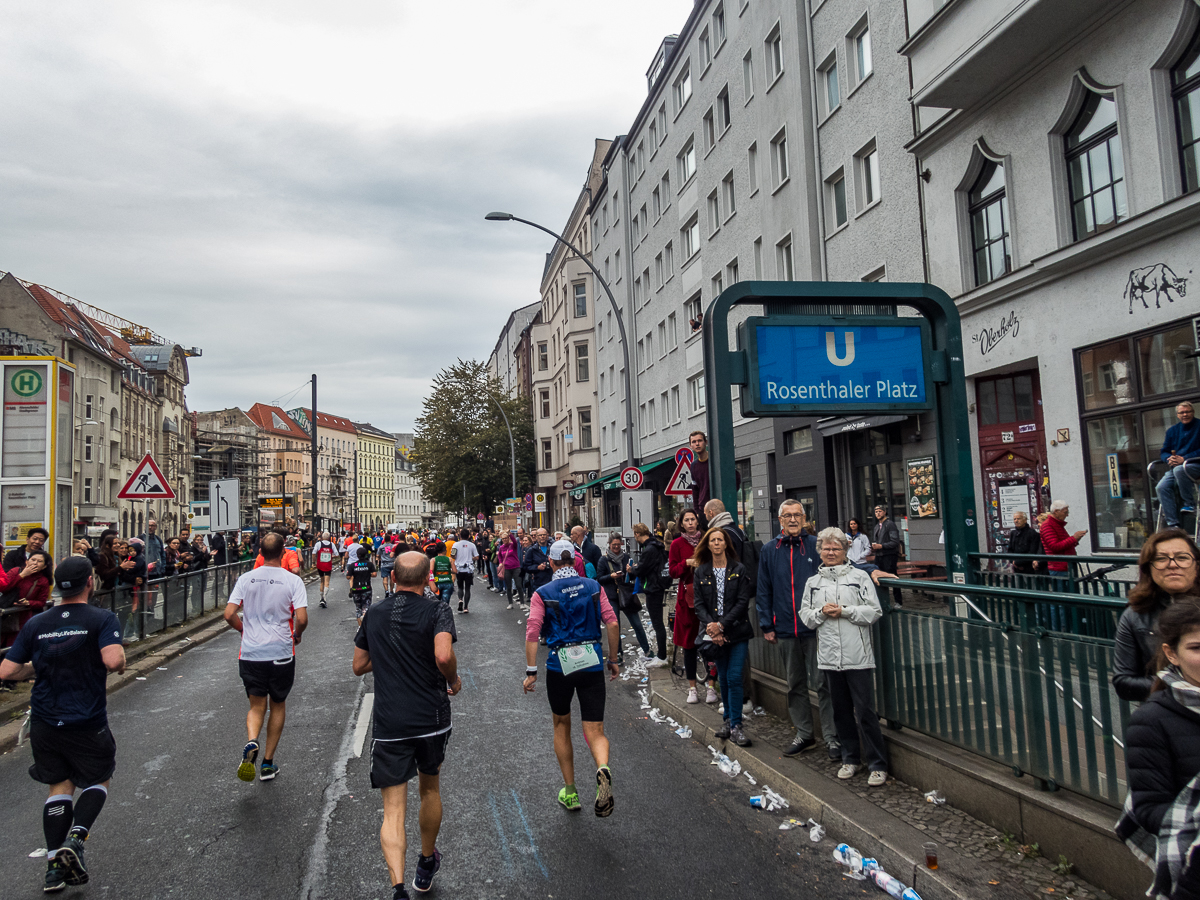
(711, 697)
(877, 779)
(692, 698)
(849, 770)
(657, 663)
(721, 710)
(509, 606)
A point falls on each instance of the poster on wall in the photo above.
(25, 438)
(22, 509)
(1009, 491)
(922, 488)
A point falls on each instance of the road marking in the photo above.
(508, 863)
(364, 722)
(532, 845)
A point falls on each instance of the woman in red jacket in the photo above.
(26, 589)
(686, 624)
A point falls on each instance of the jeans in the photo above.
(854, 709)
(512, 580)
(446, 591)
(800, 662)
(654, 606)
(730, 665)
(1176, 486)
(635, 620)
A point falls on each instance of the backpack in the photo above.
(751, 550)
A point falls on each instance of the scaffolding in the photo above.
(233, 452)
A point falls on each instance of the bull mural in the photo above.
(1158, 281)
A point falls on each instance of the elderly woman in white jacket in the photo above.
(840, 605)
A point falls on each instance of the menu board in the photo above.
(922, 487)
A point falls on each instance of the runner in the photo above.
(359, 573)
(465, 554)
(578, 614)
(274, 614)
(70, 649)
(324, 552)
(409, 646)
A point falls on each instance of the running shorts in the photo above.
(268, 678)
(82, 756)
(362, 601)
(398, 762)
(589, 686)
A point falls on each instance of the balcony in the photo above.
(964, 51)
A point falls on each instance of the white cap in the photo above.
(561, 550)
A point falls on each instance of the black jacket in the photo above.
(535, 556)
(1135, 651)
(739, 594)
(650, 566)
(591, 553)
(217, 542)
(888, 535)
(616, 589)
(1024, 540)
(1162, 754)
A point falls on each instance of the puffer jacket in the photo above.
(1136, 647)
(650, 565)
(735, 622)
(844, 642)
(1162, 754)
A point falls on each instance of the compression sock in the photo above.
(56, 821)
(88, 807)
(399, 893)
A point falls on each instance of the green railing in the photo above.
(1082, 615)
(1100, 576)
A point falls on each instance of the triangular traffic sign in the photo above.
(147, 483)
(680, 484)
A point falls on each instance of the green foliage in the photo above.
(1064, 867)
(461, 440)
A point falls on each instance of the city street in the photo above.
(179, 824)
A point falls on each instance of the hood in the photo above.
(833, 573)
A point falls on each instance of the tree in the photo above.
(461, 440)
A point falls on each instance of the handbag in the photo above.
(687, 594)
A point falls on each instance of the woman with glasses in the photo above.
(1167, 569)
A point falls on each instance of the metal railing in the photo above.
(1084, 574)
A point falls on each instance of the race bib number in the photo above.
(577, 658)
(326, 555)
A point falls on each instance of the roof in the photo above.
(73, 322)
(274, 420)
(368, 428)
(326, 420)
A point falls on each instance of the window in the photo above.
(669, 260)
(641, 354)
(827, 79)
(581, 362)
(649, 349)
(683, 88)
(987, 207)
(783, 260)
(662, 123)
(580, 300)
(705, 46)
(585, 429)
(612, 380)
(87, 448)
(675, 403)
(860, 41)
(543, 357)
(867, 163)
(665, 188)
(731, 272)
(779, 158)
(635, 229)
(87, 406)
(645, 219)
(1185, 90)
(691, 309)
(672, 332)
(640, 159)
(637, 290)
(718, 27)
(87, 490)
(714, 213)
(662, 338)
(656, 203)
(835, 189)
(547, 455)
(758, 259)
(798, 440)
(696, 394)
(723, 118)
(658, 271)
(710, 134)
(689, 237)
(752, 166)
(617, 264)
(718, 284)
(1096, 169)
(774, 49)
(687, 162)
(747, 77)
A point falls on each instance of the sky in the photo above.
(299, 186)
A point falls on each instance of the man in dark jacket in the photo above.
(587, 547)
(1024, 539)
(1181, 444)
(35, 541)
(537, 561)
(885, 541)
(217, 542)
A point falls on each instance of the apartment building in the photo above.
(375, 465)
(504, 362)
(285, 448)
(167, 366)
(413, 508)
(337, 441)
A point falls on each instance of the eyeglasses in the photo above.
(788, 517)
(1182, 560)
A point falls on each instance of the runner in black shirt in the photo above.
(359, 573)
(70, 648)
(408, 645)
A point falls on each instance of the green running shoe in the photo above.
(604, 796)
(569, 801)
(56, 876)
(249, 755)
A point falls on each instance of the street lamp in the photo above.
(512, 447)
(509, 217)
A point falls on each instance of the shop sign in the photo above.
(922, 487)
(26, 401)
(1114, 477)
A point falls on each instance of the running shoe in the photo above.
(324, 605)
(509, 606)
(426, 869)
(604, 796)
(460, 606)
(56, 876)
(711, 696)
(738, 736)
(70, 856)
(249, 755)
(569, 801)
(267, 771)
(692, 696)
(722, 733)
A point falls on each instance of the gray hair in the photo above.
(833, 535)
(1058, 504)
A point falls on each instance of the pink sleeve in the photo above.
(607, 615)
(537, 614)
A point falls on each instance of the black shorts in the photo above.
(82, 756)
(398, 762)
(561, 688)
(466, 577)
(268, 678)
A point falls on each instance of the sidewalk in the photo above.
(890, 823)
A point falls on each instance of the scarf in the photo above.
(1168, 852)
(694, 538)
(564, 572)
(720, 520)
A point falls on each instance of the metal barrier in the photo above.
(1080, 577)
(1030, 610)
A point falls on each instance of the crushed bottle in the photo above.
(683, 731)
(851, 859)
(789, 824)
(816, 831)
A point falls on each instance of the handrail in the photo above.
(1042, 557)
(981, 590)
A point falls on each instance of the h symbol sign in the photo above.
(26, 382)
(831, 348)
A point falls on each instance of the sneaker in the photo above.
(739, 737)
(569, 801)
(835, 752)
(267, 771)
(509, 606)
(466, 610)
(56, 876)
(693, 697)
(877, 779)
(604, 797)
(426, 869)
(70, 856)
(723, 732)
(656, 663)
(249, 754)
(721, 710)
(800, 745)
(324, 605)
(848, 771)
(711, 696)
(1187, 509)
(460, 606)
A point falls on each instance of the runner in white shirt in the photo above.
(274, 613)
(465, 554)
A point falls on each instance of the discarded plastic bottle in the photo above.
(889, 883)
(851, 859)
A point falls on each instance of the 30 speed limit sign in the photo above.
(631, 478)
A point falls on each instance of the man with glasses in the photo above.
(35, 541)
(537, 560)
(1180, 449)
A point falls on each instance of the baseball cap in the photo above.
(72, 573)
(561, 550)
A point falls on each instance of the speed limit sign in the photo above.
(631, 478)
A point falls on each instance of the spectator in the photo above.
(1024, 539)
(1166, 570)
(508, 555)
(104, 561)
(153, 550)
(840, 604)
(649, 570)
(1181, 445)
(170, 559)
(687, 625)
(885, 541)
(614, 579)
(537, 562)
(216, 542)
(860, 544)
(35, 540)
(26, 589)
(1055, 540)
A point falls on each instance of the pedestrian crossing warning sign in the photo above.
(680, 484)
(147, 483)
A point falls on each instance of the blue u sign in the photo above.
(841, 366)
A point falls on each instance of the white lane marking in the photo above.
(364, 722)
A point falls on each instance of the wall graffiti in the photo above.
(987, 338)
(1158, 281)
(23, 345)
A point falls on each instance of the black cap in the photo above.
(71, 574)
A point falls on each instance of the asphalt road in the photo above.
(178, 822)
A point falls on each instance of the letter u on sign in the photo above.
(831, 349)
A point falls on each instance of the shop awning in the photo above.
(613, 481)
(833, 425)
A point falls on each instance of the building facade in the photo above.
(413, 508)
(504, 362)
(231, 443)
(375, 464)
(337, 442)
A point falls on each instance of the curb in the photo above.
(874, 831)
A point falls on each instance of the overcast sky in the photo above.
(300, 186)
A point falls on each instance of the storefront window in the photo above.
(1165, 364)
(745, 498)
(1118, 486)
(1106, 373)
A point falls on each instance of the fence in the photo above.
(1080, 577)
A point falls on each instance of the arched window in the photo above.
(991, 244)
(1096, 168)
(1185, 91)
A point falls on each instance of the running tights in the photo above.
(654, 606)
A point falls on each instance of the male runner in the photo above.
(574, 610)
(70, 649)
(443, 572)
(324, 551)
(408, 644)
(274, 614)
(465, 554)
(359, 573)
